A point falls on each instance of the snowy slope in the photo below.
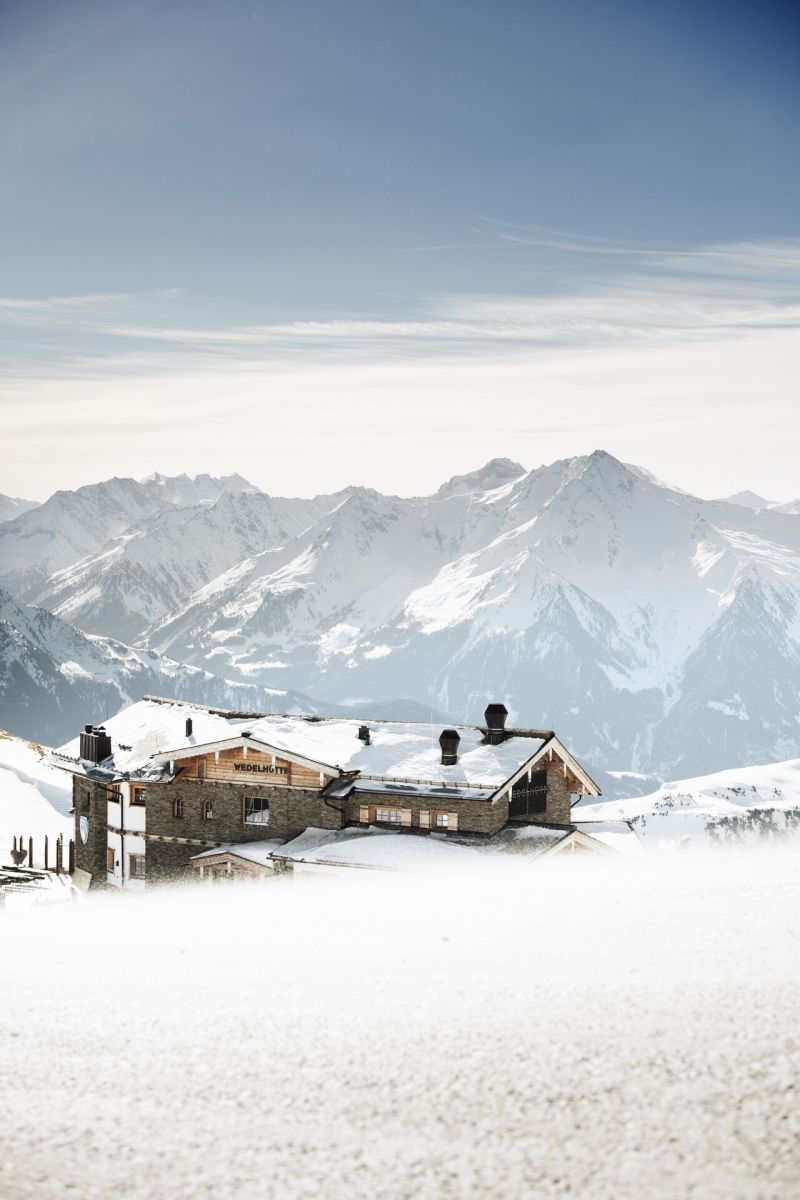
(740, 805)
(35, 799)
(143, 574)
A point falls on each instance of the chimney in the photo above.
(188, 726)
(495, 718)
(103, 744)
(363, 734)
(95, 744)
(448, 740)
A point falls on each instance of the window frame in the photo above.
(137, 866)
(249, 800)
(207, 810)
(111, 860)
(178, 808)
(395, 819)
(138, 796)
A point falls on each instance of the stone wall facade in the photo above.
(291, 810)
(474, 816)
(89, 800)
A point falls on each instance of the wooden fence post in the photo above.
(71, 856)
(46, 854)
(30, 851)
(59, 854)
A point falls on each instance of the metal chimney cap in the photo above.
(448, 740)
(495, 715)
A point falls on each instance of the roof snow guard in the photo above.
(152, 734)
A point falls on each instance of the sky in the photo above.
(376, 243)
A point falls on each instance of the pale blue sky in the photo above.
(522, 205)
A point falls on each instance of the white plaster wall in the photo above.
(135, 814)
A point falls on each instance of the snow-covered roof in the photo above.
(153, 731)
(255, 852)
(373, 849)
(389, 787)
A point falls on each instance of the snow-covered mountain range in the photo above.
(655, 630)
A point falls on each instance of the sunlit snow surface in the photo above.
(592, 1030)
(35, 799)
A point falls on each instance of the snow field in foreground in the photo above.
(598, 1030)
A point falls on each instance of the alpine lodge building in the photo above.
(164, 784)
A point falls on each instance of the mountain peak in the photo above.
(494, 474)
(598, 470)
(748, 499)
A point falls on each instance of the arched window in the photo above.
(177, 807)
(207, 810)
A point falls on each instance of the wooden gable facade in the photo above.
(252, 766)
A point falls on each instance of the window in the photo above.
(114, 794)
(206, 810)
(390, 816)
(177, 808)
(138, 796)
(110, 860)
(444, 820)
(256, 810)
(136, 866)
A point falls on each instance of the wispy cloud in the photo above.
(91, 308)
(53, 304)
(709, 294)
